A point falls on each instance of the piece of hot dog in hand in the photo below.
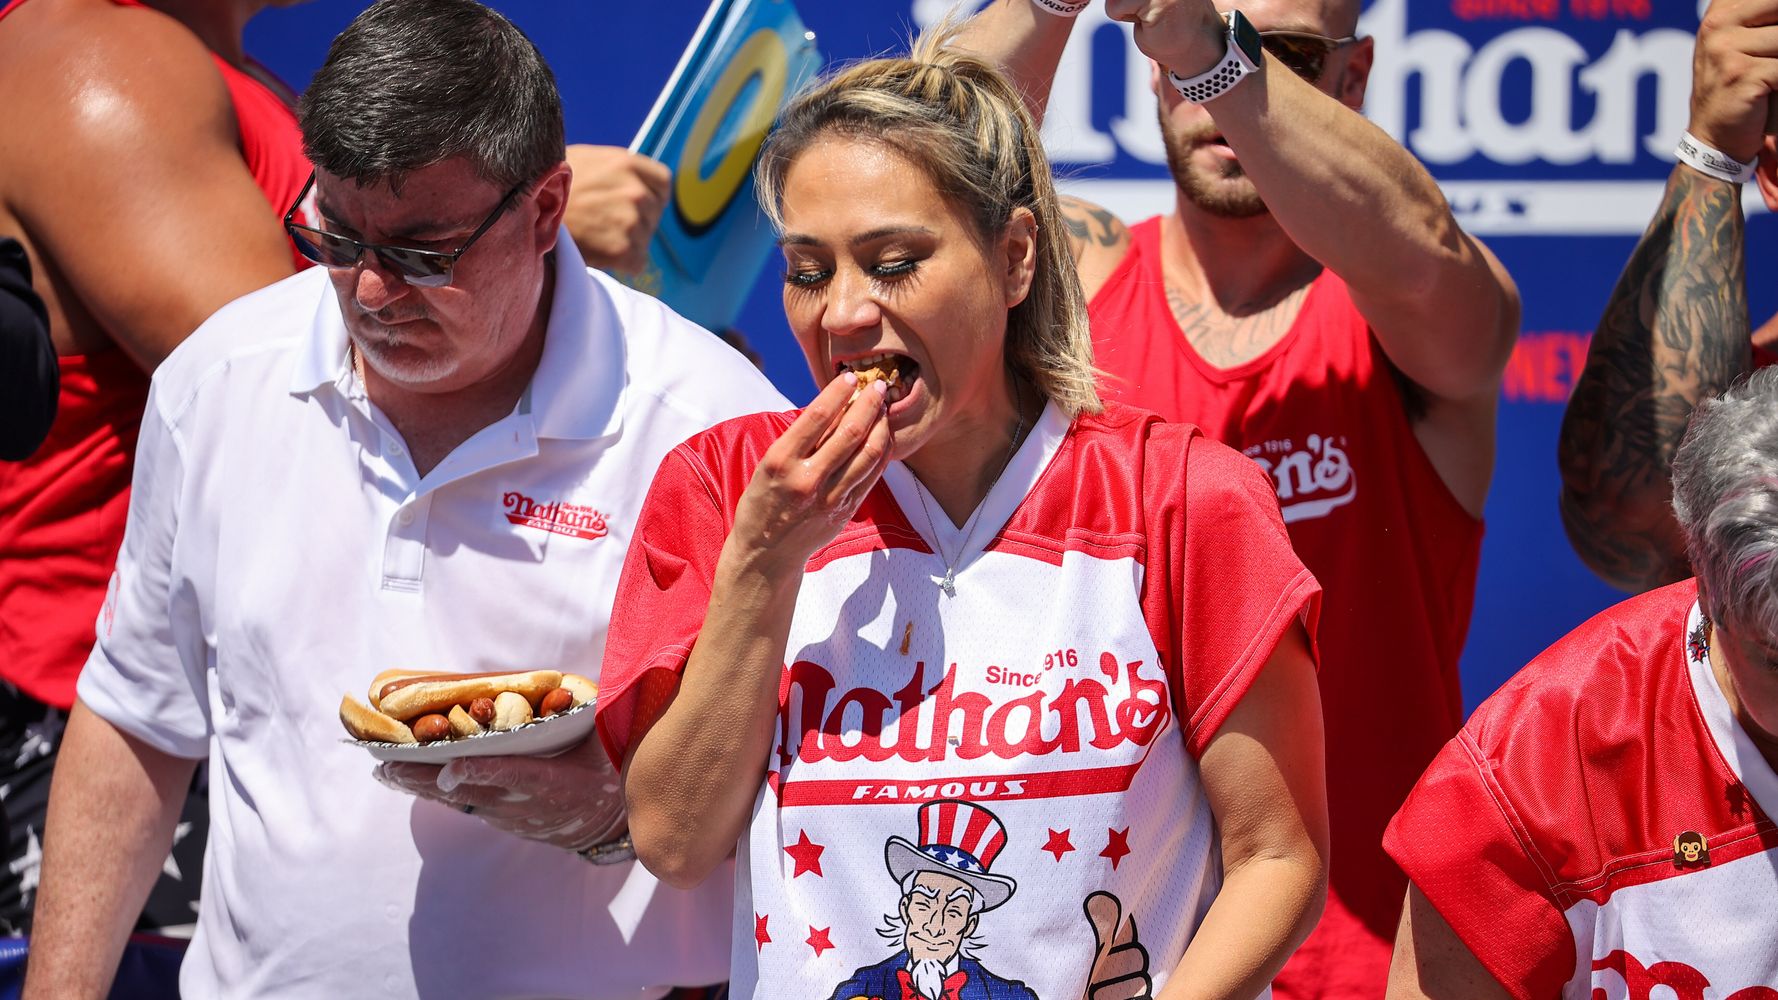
(414, 707)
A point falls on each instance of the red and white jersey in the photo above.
(1032, 739)
(1602, 826)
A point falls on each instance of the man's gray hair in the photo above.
(1725, 494)
(412, 83)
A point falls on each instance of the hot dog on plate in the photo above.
(415, 707)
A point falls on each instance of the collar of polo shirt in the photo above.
(577, 392)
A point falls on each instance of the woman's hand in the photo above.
(813, 478)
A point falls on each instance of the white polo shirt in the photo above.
(282, 550)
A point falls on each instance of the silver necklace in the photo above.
(949, 583)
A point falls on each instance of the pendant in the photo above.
(949, 583)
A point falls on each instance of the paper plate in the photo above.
(540, 738)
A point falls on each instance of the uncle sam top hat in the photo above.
(959, 839)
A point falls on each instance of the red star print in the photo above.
(1117, 846)
(818, 939)
(807, 855)
(1058, 844)
(760, 937)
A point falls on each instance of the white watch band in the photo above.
(1063, 8)
(1712, 162)
(1218, 79)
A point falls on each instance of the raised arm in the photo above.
(1674, 331)
(1442, 307)
(1676, 327)
(693, 774)
(1025, 39)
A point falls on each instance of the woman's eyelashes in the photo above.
(884, 272)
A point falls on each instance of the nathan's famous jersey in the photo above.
(1602, 826)
(996, 793)
(1322, 413)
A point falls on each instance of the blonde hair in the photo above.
(954, 116)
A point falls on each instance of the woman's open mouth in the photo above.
(897, 371)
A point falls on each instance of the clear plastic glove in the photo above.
(573, 800)
(614, 205)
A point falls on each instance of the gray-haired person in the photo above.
(1613, 804)
(428, 453)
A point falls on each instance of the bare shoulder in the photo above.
(1098, 239)
(102, 81)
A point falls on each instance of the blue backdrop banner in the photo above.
(1550, 124)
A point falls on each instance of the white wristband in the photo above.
(1063, 8)
(1712, 162)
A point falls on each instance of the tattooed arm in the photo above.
(1676, 327)
(1674, 331)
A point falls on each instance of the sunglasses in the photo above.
(426, 268)
(1302, 52)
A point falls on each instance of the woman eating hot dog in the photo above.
(994, 691)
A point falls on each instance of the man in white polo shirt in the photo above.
(326, 474)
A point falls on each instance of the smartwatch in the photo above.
(1242, 58)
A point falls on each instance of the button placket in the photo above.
(404, 550)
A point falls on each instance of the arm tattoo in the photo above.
(1674, 331)
(1088, 224)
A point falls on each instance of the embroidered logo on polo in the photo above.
(555, 516)
(1312, 478)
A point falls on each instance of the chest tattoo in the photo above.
(1226, 341)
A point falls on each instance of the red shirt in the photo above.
(62, 510)
(1547, 834)
(1368, 514)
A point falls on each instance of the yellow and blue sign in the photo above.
(746, 61)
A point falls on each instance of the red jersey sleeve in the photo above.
(1462, 842)
(1228, 585)
(662, 597)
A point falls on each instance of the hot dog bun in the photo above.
(384, 678)
(582, 689)
(462, 724)
(372, 726)
(413, 697)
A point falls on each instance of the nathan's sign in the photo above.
(1529, 129)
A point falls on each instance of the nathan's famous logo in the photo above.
(556, 516)
(1311, 480)
(918, 724)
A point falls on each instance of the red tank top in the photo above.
(1369, 515)
(62, 511)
